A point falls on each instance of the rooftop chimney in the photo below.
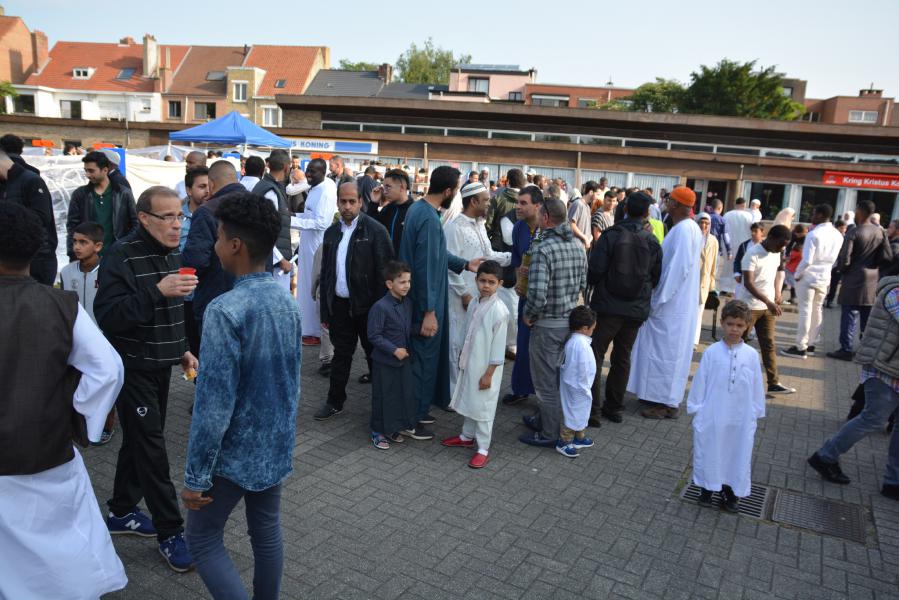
(385, 73)
(40, 52)
(151, 57)
(870, 92)
(126, 41)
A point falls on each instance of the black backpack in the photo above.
(628, 264)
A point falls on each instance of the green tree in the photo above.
(428, 63)
(738, 89)
(348, 65)
(6, 89)
(661, 95)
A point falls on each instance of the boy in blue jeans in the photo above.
(244, 419)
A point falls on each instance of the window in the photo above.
(382, 128)
(863, 116)
(813, 196)
(280, 83)
(240, 91)
(145, 105)
(586, 103)
(81, 73)
(811, 117)
(70, 109)
(174, 109)
(204, 110)
(788, 92)
(215, 76)
(424, 130)
(341, 126)
(515, 96)
(557, 101)
(125, 74)
(479, 84)
(271, 116)
(23, 103)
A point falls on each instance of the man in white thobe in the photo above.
(321, 206)
(660, 360)
(466, 237)
(754, 205)
(736, 226)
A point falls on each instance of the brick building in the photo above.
(22, 51)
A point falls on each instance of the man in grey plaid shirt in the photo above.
(556, 278)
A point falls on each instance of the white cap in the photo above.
(755, 202)
(703, 216)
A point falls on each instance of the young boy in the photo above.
(393, 404)
(726, 398)
(80, 276)
(243, 428)
(481, 365)
(576, 380)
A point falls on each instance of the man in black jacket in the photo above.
(140, 307)
(355, 251)
(13, 145)
(394, 190)
(23, 187)
(115, 175)
(618, 317)
(101, 201)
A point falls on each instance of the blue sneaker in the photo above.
(134, 523)
(174, 551)
(568, 450)
(535, 439)
(530, 421)
(584, 443)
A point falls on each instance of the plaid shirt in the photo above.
(560, 259)
(891, 303)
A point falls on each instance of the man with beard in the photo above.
(193, 160)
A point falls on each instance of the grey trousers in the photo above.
(546, 348)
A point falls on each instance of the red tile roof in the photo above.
(190, 78)
(294, 64)
(106, 59)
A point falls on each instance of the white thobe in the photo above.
(53, 539)
(660, 360)
(737, 225)
(466, 238)
(756, 215)
(576, 379)
(726, 398)
(321, 206)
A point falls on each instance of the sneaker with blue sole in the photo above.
(174, 551)
(134, 523)
(566, 449)
(582, 443)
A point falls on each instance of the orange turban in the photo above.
(683, 195)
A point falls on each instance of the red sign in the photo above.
(861, 180)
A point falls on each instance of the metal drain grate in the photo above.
(821, 515)
(756, 505)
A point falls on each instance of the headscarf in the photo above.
(785, 218)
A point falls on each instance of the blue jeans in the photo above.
(880, 402)
(849, 317)
(205, 533)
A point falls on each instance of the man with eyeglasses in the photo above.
(393, 198)
(140, 308)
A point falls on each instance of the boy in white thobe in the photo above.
(726, 399)
(481, 365)
(576, 380)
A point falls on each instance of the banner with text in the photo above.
(861, 180)
(334, 146)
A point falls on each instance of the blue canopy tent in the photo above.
(230, 129)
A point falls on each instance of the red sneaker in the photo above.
(478, 461)
(311, 340)
(457, 442)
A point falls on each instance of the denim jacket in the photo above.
(244, 419)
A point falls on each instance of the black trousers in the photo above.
(191, 328)
(346, 332)
(621, 333)
(142, 470)
(43, 270)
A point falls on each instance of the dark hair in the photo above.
(192, 175)
(98, 158)
(555, 210)
(21, 234)
(824, 210)
(740, 200)
(145, 200)
(534, 192)
(840, 223)
(515, 178)
(780, 233)
(590, 186)
(319, 163)
(757, 226)
(398, 175)
(490, 267)
(866, 207)
(92, 231)
(638, 205)
(443, 178)
(580, 317)
(394, 269)
(610, 194)
(251, 218)
(278, 161)
(279, 152)
(538, 177)
(12, 144)
(254, 167)
(369, 170)
(736, 309)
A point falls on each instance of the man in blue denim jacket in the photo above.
(244, 420)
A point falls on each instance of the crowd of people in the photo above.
(229, 275)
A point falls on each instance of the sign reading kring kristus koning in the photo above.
(335, 146)
(861, 180)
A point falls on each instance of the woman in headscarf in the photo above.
(708, 266)
(785, 218)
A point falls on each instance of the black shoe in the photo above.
(613, 415)
(325, 370)
(513, 399)
(794, 352)
(530, 421)
(729, 500)
(705, 497)
(428, 419)
(810, 351)
(829, 471)
(890, 490)
(419, 433)
(840, 355)
(326, 412)
(365, 378)
(594, 422)
(777, 388)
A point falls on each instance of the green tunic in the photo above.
(103, 214)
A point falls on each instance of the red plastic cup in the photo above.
(187, 271)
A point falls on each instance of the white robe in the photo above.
(466, 238)
(660, 360)
(576, 379)
(321, 206)
(726, 398)
(737, 225)
(484, 345)
(53, 539)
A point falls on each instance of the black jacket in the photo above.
(865, 250)
(268, 184)
(603, 301)
(81, 209)
(393, 218)
(368, 253)
(117, 178)
(25, 188)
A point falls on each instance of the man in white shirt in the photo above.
(737, 223)
(754, 205)
(192, 161)
(819, 253)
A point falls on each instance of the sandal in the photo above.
(379, 441)
(396, 437)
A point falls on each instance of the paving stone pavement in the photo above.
(415, 523)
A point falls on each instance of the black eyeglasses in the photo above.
(168, 218)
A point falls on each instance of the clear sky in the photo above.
(838, 46)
